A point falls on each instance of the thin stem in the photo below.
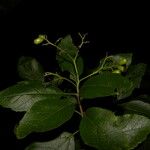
(77, 84)
(95, 72)
(75, 66)
(73, 134)
(107, 57)
(82, 40)
(79, 104)
(50, 43)
(78, 112)
(76, 132)
(61, 77)
(98, 70)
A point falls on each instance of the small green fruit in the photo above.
(122, 61)
(42, 36)
(116, 71)
(39, 40)
(121, 68)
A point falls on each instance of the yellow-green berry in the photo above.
(122, 61)
(39, 40)
(116, 71)
(42, 36)
(121, 68)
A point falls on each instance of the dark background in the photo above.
(116, 28)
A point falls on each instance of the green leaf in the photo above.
(66, 56)
(137, 106)
(101, 129)
(67, 45)
(127, 56)
(135, 74)
(105, 84)
(64, 142)
(45, 115)
(22, 96)
(125, 92)
(30, 69)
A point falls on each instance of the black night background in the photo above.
(112, 30)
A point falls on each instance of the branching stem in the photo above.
(62, 50)
(98, 70)
(82, 40)
(77, 84)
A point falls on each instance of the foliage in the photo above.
(49, 104)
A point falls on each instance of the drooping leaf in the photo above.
(44, 116)
(101, 129)
(125, 92)
(135, 74)
(22, 96)
(137, 106)
(64, 142)
(30, 69)
(67, 54)
(105, 84)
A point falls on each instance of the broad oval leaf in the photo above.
(64, 142)
(101, 129)
(138, 107)
(22, 96)
(105, 84)
(30, 69)
(45, 115)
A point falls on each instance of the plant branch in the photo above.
(82, 40)
(98, 70)
(95, 72)
(62, 50)
(77, 84)
(78, 112)
(76, 132)
(75, 66)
